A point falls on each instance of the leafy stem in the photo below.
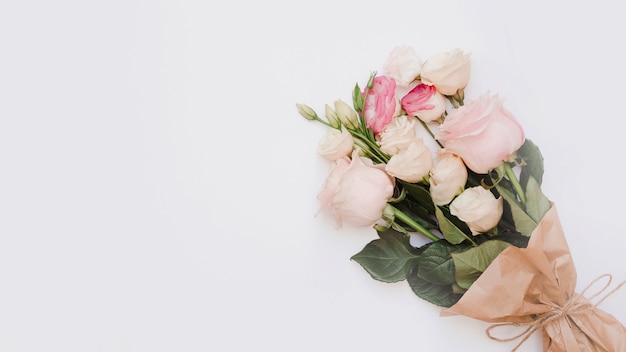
(515, 182)
(398, 214)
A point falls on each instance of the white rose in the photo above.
(403, 65)
(335, 144)
(448, 71)
(478, 208)
(447, 177)
(398, 134)
(411, 164)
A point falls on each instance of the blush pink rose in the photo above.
(361, 194)
(381, 103)
(325, 196)
(483, 133)
(424, 102)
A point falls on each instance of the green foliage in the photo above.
(474, 261)
(533, 159)
(453, 231)
(440, 295)
(389, 258)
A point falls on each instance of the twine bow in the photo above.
(577, 304)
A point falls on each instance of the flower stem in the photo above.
(373, 146)
(430, 132)
(518, 188)
(412, 223)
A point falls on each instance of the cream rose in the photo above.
(478, 208)
(411, 164)
(483, 133)
(361, 194)
(398, 134)
(335, 144)
(403, 65)
(447, 177)
(448, 71)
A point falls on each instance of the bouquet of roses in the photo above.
(412, 158)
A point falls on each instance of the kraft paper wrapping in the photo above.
(534, 287)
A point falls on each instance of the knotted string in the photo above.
(577, 304)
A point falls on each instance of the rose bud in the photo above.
(478, 208)
(424, 102)
(447, 177)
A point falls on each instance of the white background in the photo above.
(157, 186)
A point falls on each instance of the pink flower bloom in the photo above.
(356, 193)
(325, 197)
(380, 104)
(483, 133)
(424, 102)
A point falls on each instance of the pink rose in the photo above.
(380, 104)
(361, 193)
(483, 133)
(325, 197)
(424, 102)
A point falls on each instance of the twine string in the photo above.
(577, 304)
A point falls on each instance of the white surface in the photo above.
(158, 187)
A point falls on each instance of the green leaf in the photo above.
(537, 204)
(449, 230)
(523, 223)
(531, 154)
(357, 98)
(435, 264)
(441, 295)
(417, 213)
(470, 264)
(388, 259)
(420, 194)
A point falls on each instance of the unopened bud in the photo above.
(332, 117)
(346, 115)
(306, 112)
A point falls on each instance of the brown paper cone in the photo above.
(535, 287)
